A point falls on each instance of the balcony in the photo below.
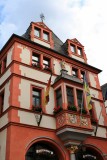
(73, 126)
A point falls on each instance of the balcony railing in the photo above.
(73, 125)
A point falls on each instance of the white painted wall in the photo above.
(5, 76)
(30, 119)
(68, 68)
(57, 66)
(35, 74)
(3, 135)
(98, 111)
(3, 120)
(42, 43)
(78, 58)
(25, 54)
(9, 56)
(92, 80)
(101, 132)
(94, 93)
(6, 96)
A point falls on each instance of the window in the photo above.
(37, 32)
(1, 102)
(80, 98)
(70, 96)
(46, 63)
(35, 60)
(36, 97)
(79, 51)
(46, 36)
(73, 49)
(82, 75)
(74, 72)
(4, 63)
(59, 98)
(41, 151)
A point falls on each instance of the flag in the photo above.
(46, 100)
(87, 91)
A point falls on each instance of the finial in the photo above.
(42, 17)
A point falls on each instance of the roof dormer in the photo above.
(76, 50)
(41, 34)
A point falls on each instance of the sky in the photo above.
(85, 20)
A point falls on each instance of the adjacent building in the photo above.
(64, 128)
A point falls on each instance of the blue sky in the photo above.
(85, 20)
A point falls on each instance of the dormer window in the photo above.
(37, 32)
(74, 72)
(46, 36)
(73, 49)
(82, 75)
(79, 51)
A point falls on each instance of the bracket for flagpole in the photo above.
(38, 118)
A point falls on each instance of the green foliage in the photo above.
(37, 108)
(57, 110)
(72, 108)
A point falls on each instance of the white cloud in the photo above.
(82, 19)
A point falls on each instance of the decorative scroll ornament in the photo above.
(73, 148)
(62, 63)
(73, 118)
(61, 120)
(84, 121)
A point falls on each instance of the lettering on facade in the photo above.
(89, 156)
(43, 151)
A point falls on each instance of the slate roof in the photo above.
(58, 44)
(27, 33)
(104, 89)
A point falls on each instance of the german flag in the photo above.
(46, 100)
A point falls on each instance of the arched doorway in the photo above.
(41, 151)
(88, 153)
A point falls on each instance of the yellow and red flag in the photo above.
(46, 100)
(87, 91)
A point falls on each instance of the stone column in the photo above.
(72, 149)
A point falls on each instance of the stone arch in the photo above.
(49, 146)
(89, 152)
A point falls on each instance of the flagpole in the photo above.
(82, 103)
(46, 99)
(81, 108)
(98, 121)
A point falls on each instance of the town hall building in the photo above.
(44, 111)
